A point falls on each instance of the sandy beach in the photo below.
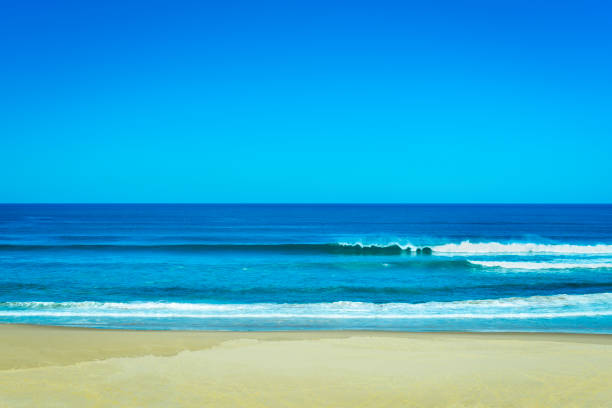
(65, 367)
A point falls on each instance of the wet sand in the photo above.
(65, 367)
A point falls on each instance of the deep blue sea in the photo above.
(276, 267)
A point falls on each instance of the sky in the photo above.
(313, 101)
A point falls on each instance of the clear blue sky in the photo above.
(330, 101)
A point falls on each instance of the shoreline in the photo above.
(68, 366)
(363, 331)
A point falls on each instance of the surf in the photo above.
(553, 306)
(468, 247)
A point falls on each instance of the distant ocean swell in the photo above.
(534, 307)
(341, 248)
(211, 291)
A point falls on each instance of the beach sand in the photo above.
(65, 367)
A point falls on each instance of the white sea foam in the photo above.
(598, 304)
(467, 247)
(361, 244)
(543, 265)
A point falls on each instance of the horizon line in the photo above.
(303, 203)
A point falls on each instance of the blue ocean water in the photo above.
(274, 267)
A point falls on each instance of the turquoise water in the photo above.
(273, 267)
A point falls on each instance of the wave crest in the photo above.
(596, 304)
(467, 247)
(348, 248)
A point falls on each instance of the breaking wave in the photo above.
(337, 248)
(341, 248)
(467, 247)
(555, 306)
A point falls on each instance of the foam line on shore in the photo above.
(596, 304)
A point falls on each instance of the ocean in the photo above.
(308, 267)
